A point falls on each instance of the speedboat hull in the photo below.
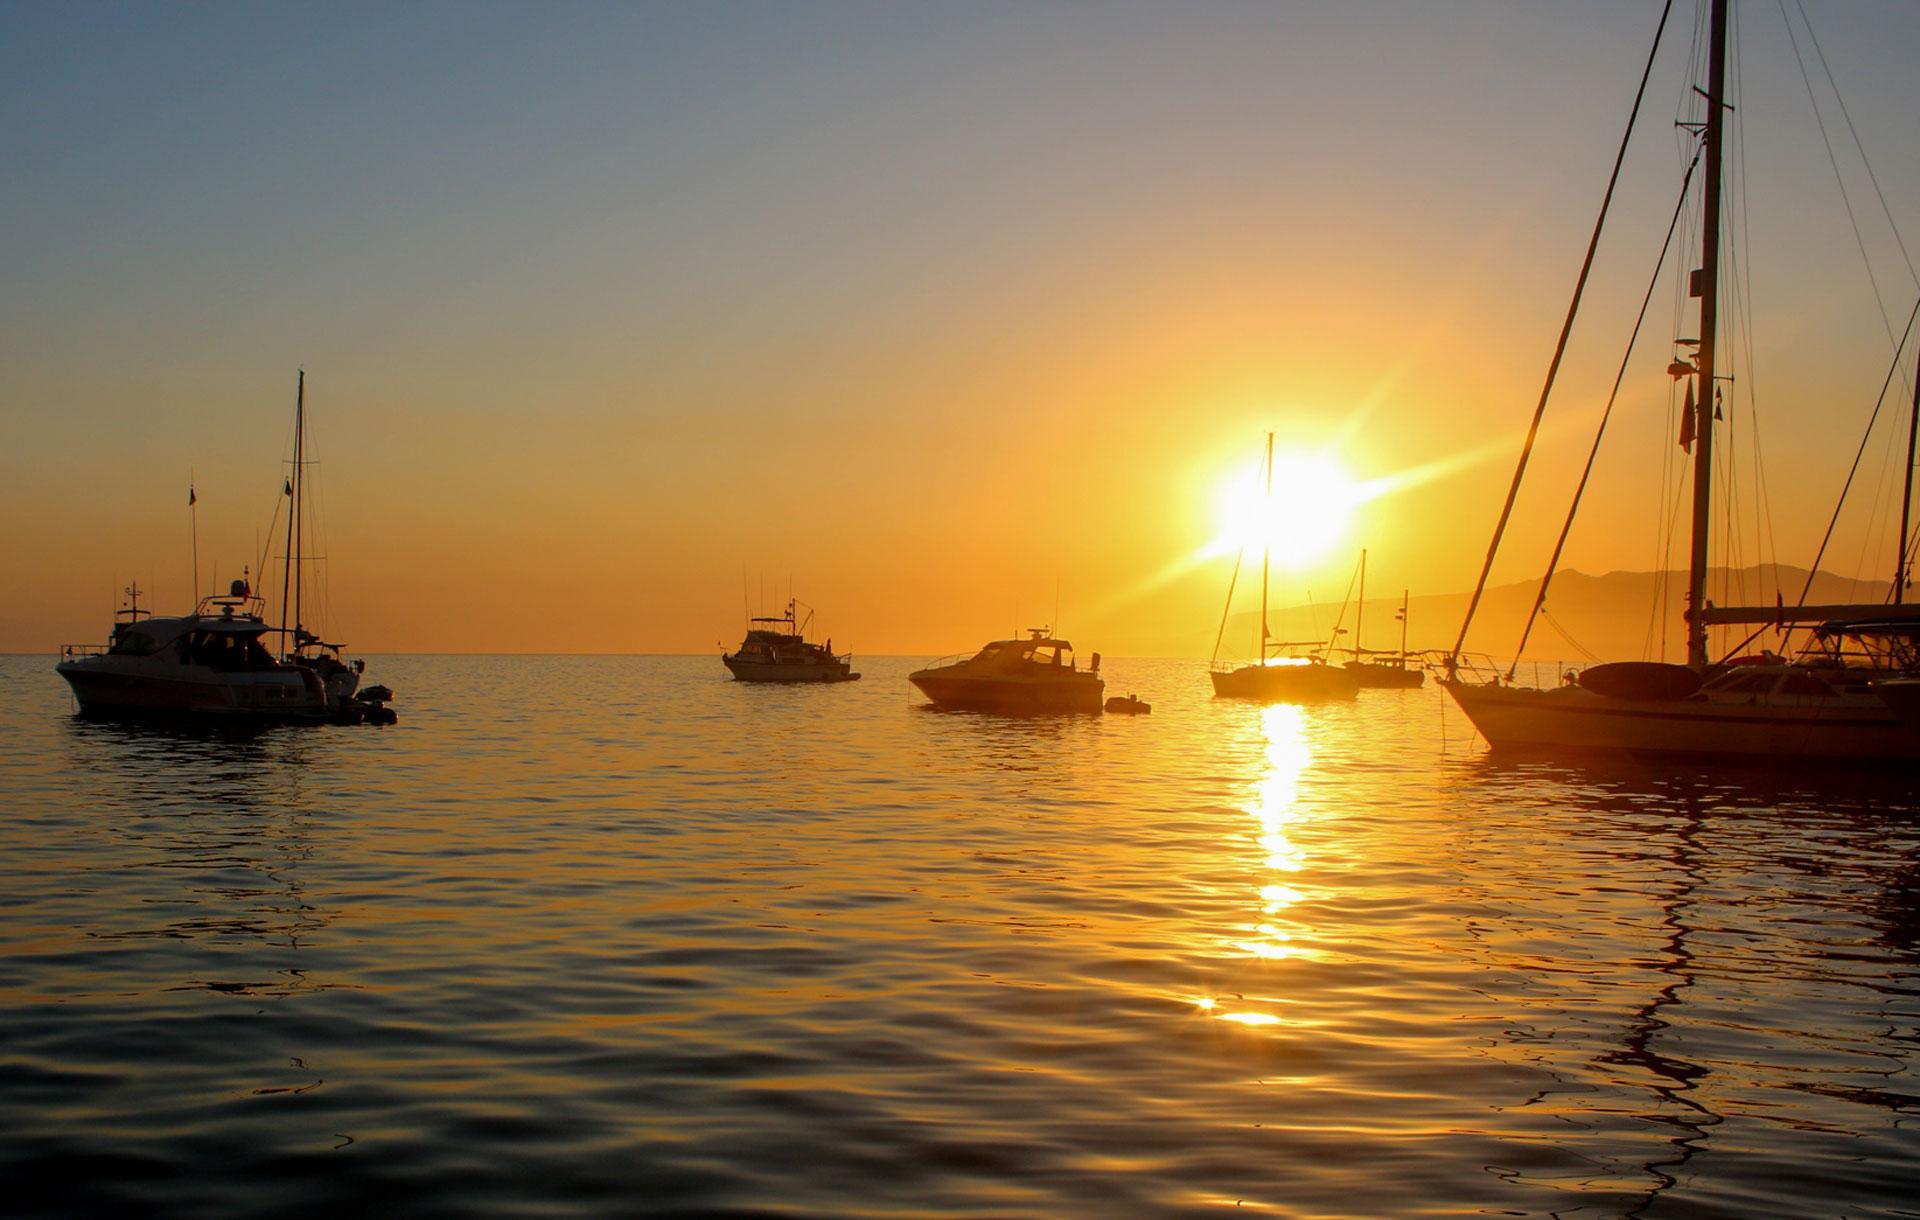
(1574, 720)
(1285, 683)
(1010, 694)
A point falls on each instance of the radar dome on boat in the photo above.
(239, 589)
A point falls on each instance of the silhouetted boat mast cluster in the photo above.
(1835, 701)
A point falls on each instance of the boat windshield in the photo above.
(227, 650)
(1030, 652)
(1887, 645)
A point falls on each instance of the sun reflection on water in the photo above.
(1275, 808)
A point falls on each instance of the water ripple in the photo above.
(585, 935)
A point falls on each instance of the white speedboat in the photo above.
(777, 650)
(1818, 706)
(1020, 677)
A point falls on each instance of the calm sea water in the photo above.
(616, 935)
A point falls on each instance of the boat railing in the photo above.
(1476, 669)
(69, 652)
(952, 658)
(227, 605)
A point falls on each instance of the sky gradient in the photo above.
(606, 310)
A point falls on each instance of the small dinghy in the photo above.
(1132, 705)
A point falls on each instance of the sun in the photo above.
(1305, 517)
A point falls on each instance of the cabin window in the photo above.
(136, 644)
(1806, 685)
(1751, 684)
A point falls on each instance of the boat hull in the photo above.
(1284, 683)
(1013, 696)
(745, 669)
(1573, 720)
(1902, 695)
(129, 688)
(1390, 677)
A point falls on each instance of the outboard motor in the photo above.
(1095, 668)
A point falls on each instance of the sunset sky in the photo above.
(932, 309)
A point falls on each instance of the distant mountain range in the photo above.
(1619, 616)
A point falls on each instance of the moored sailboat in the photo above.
(1280, 673)
(1372, 667)
(1822, 705)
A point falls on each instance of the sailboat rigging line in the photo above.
(1846, 200)
(1226, 609)
(1560, 348)
(1653, 284)
(1906, 499)
(1858, 147)
(1892, 368)
(1333, 641)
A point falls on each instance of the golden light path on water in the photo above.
(1275, 812)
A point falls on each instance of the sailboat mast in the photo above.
(1360, 610)
(1709, 292)
(1266, 549)
(1906, 499)
(1403, 624)
(299, 498)
(286, 566)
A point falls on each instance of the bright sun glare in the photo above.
(1305, 518)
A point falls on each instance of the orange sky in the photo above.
(929, 312)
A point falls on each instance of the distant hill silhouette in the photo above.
(1616, 617)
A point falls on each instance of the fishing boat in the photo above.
(777, 650)
(1375, 668)
(1036, 675)
(1285, 671)
(1828, 702)
(215, 662)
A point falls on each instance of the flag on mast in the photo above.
(190, 496)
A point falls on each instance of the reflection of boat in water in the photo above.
(779, 652)
(1818, 707)
(1373, 668)
(1034, 675)
(1275, 675)
(214, 662)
